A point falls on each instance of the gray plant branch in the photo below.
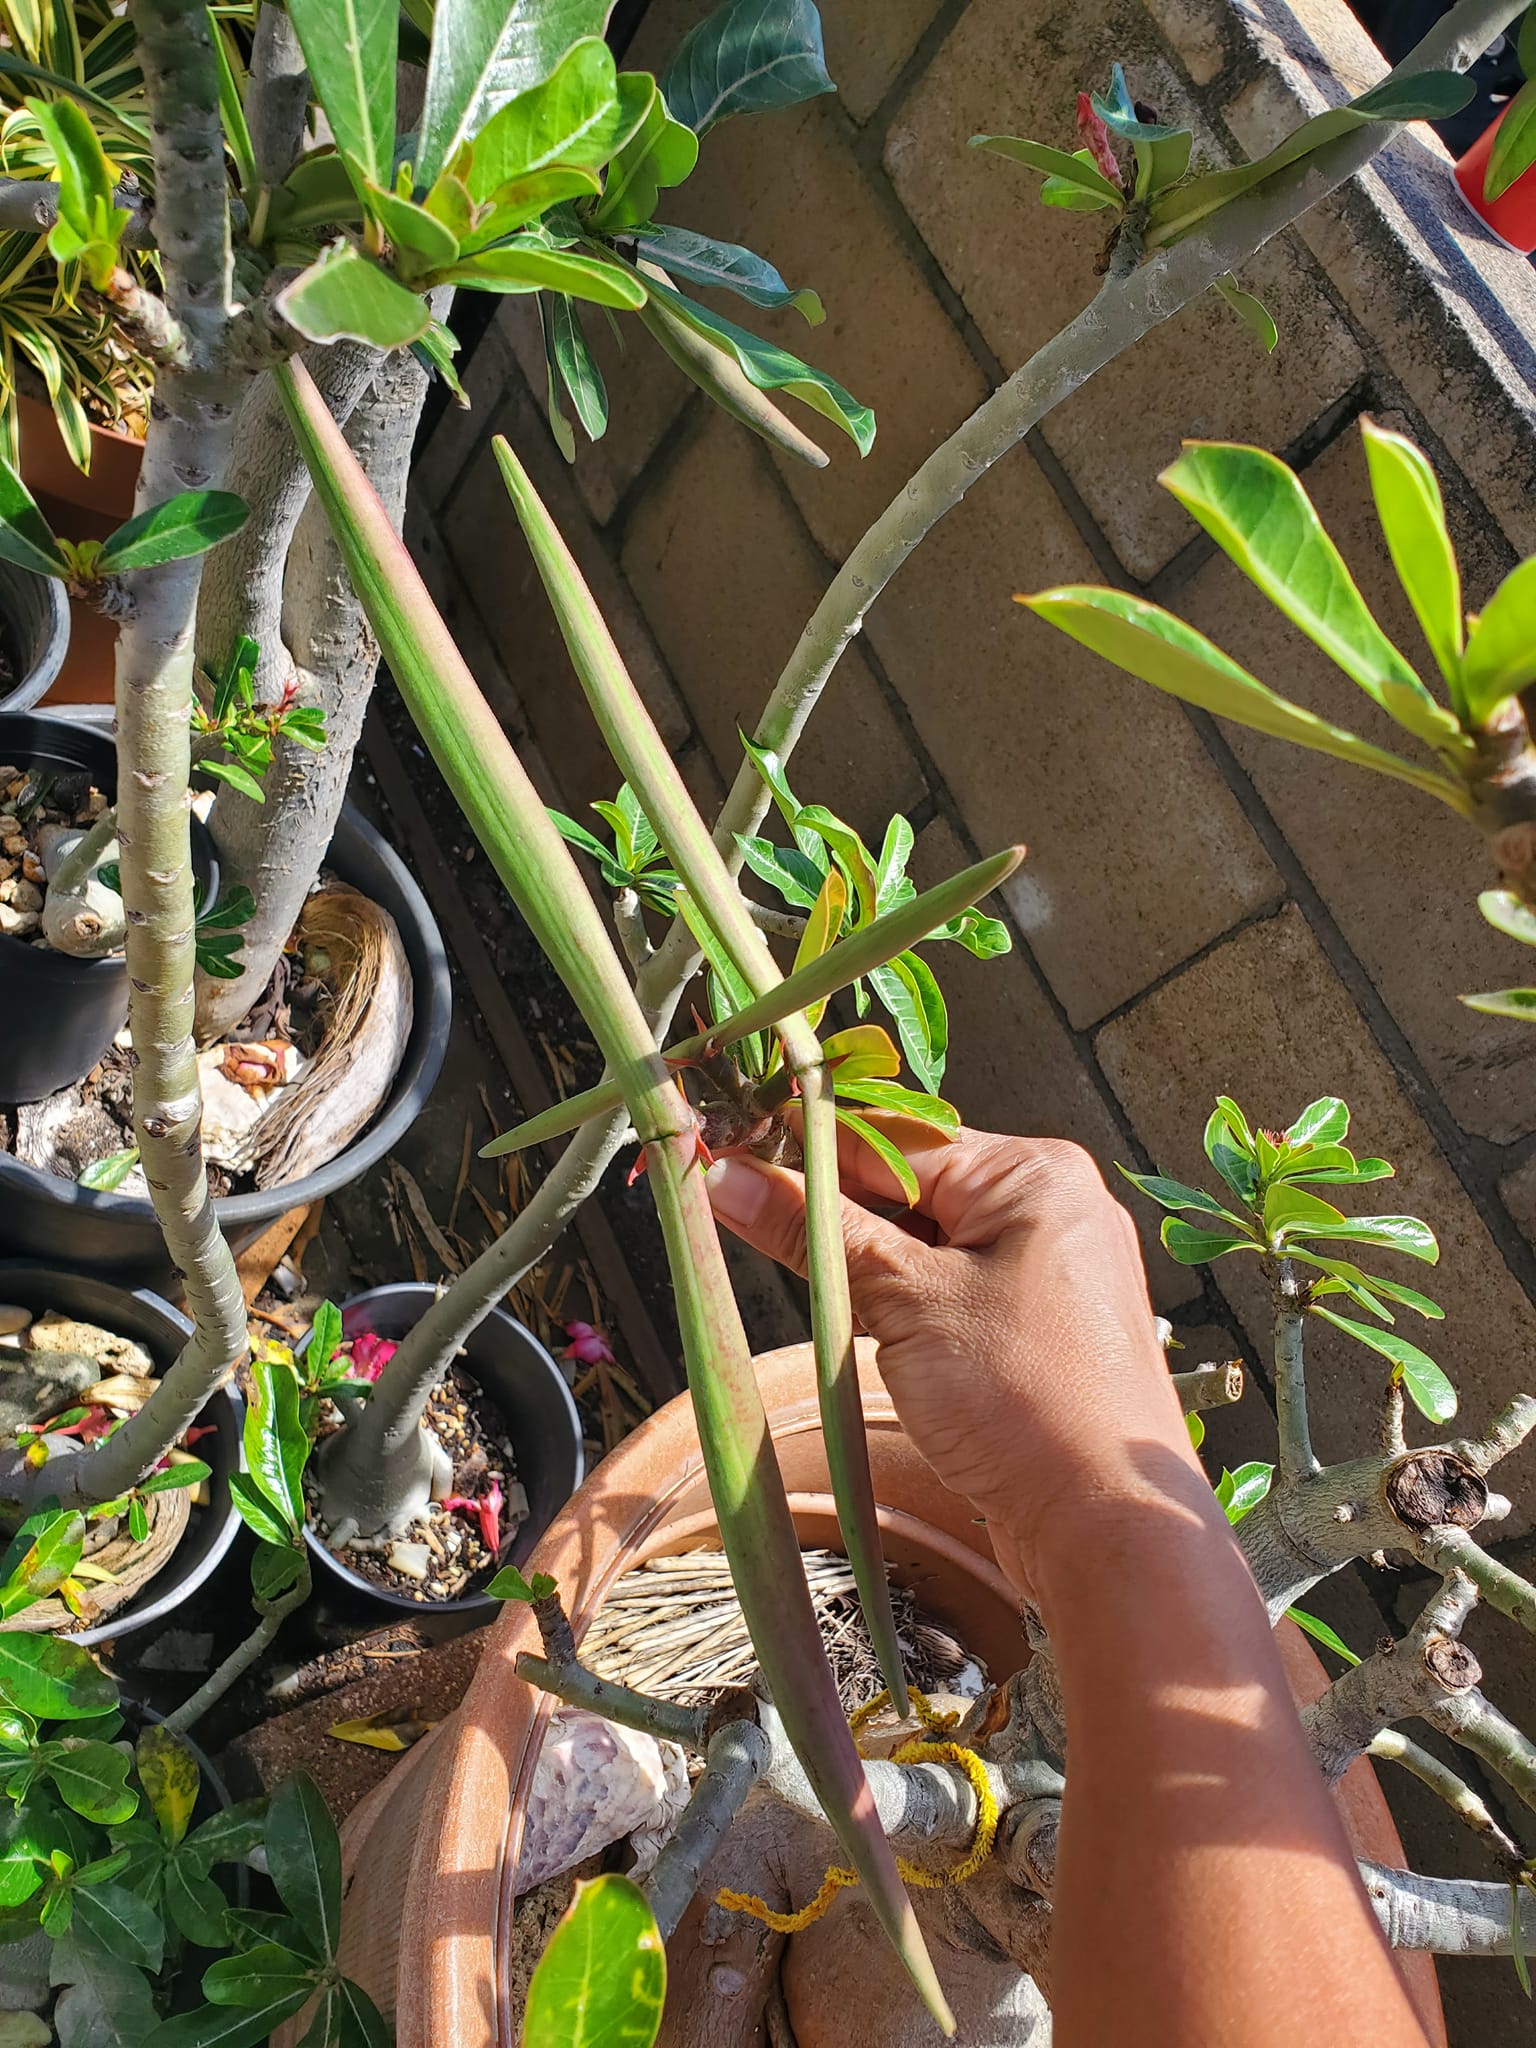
(1298, 1461)
(734, 1761)
(1449, 1916)
(30, 206)
(188, 447)
(1390, 1745)
(240, 1659)
(1208, 1386)
(277, 98)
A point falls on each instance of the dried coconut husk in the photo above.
(353, 947)
(131, 1564)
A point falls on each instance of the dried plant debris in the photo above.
(674, 1627)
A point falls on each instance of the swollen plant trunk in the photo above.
(282, 582)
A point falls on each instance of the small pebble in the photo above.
(21, 894)
(411, 1560)
(17, 924)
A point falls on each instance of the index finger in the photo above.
(972, 1186)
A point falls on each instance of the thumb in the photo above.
(765, 1205)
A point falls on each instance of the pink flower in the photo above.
(370, 1355)
(588, 1345)
(1094, 136)
(487, 1510)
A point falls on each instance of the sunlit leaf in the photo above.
(602, 1979)
(1077, 170)
(484, 53)
(1428, 1388)
(1412, 515)
(188, 524)
(344, 297)
(700, 259)
(1501, 648)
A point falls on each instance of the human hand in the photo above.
(1019, 1347)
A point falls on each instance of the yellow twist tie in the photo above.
(915, 1751)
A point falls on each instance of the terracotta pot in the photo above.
(430, 1855)
(46, 470)
(1512, 216)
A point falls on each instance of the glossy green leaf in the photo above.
(226, 2026)
(188, 524)
(318, 192)
(602, 1979)
(1151, 643)
(784, 868)
(168, 1771)
(1393, 1290)
(348, 2018)
(576, 117)
(1324, 1122)
(326, 1335)
(1193, 1247)
(1412, 515)
(516, 268)
(265, 1975)
(1241, 1491)
(276, 1444)
(1251, 311)
(909, 992)
(1324, 1171)
(770, 770)
(304, 1859)
(1514, 144)
(349, 47)
(103, 2002)
(1501, 647)
(1506, 913)
(344, 297)
(1256, 509)
(1293, 1210)
(1427, 1386)
(700, 259)
(509, 1584)
(659, 155)
(886, 1151)
(50, 1545)
(864, 1052)
(771, 368)
(89, 227)
(109, 1917)
(51, 1679)
(576, 365)
(1394, 1233)
(1077, 170)
(411, 228)
(1425, 96)
(853, 857)
(1320, 1632)
(233, 79)
(745, 58)
(227, 1836)
(883, 1095)
(485, 53)
(1195, 1425)
(1173, 1194)
(111, 1172)
(25, 535)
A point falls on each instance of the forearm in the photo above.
(1205, 1893)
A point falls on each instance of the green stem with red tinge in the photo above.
(503, 809)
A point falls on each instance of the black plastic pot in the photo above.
(520, 1379)
(116, 1235)
(157, 1326)
(34, 631)
(60, 1014)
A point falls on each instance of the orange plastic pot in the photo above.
(1512, 216)
(430, 1857)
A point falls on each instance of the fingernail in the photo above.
(737, 1191)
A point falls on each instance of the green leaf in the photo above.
(105, 2002)
(575, 118)
(771, 368)
(484, 53)
(521, 200)
(1394, 1290)
(274, 1569)
(110, 1918)
(1501, 648)
(349, 47)
(1241, 1491)
(325, 1340)
(188, 524)
(1193, 1247)
(237, 133)
(1322, 1633)
(1425, 96)
(357, 2022)
(1078, 171)
(746, 57)
(1255, 508)
(1504, 1002)
(235, 776)
(92, 1779)
(886, 1151)
(25, 535)
(276, 1443)
(886, 1095)
(701, 260)
(225, 2026)
(509, 1584)
(344, 297)
(111, 1172)
(227, 1836)
(1428, 1388)
(52, 1544)
(411, 228)
(513, 268)
(1517, 1893)
(576, 364)
(1506, 913)
(661, 153)
(1290, 1209)
(260, 1515)
(51, 1679)
(1514, 143)
(1324, 1122)
(1173, 1194)
(909, 992)
(265, 1976)
(602, 1979)
(786, 869)
(138, 1520)
(1412, 515)
(304, 1859)
(1195, 1425)
(1151, 643)
(1251, 311)
(1395, 1233)
(195, 1906)
(168, 1771)
(89, 227)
